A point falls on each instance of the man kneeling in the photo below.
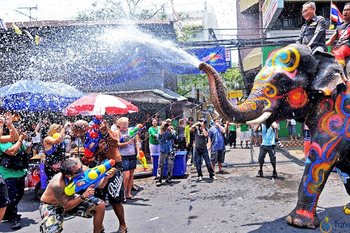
(54, 201)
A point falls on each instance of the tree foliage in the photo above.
(189, 32)
(232, 79)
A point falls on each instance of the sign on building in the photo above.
(235, 94)
(271, 9)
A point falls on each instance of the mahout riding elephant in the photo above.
(297, 84)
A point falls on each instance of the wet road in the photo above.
(236, 202)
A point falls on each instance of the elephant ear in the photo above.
(328, 75)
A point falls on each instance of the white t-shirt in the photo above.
(36, 138)
(114, 127)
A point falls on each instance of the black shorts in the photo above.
(129, 162)
(114, 189)
(217, 156)
(4, 197)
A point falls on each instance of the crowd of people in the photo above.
(69, 149)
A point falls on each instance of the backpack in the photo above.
(17, 162)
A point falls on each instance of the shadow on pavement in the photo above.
(137, 201)
(336, 221)
(25, 222)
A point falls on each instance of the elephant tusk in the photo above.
(260, 119)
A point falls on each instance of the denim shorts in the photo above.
(129, 162)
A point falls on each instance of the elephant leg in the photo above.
(318, 166)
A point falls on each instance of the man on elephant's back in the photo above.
(313, 32)
(341, 49)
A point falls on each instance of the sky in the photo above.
(19, 10)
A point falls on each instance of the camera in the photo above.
(165, 126)
(203, 121)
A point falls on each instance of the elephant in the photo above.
(312, 88)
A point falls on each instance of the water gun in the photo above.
(93, 136)
(89, 177)
(95, 122)
(142, 158)
(132, 132)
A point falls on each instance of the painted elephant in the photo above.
(297, 84)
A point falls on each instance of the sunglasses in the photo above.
(78, 171)
(78, 127)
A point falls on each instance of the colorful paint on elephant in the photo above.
(335, 127)
(285, 61)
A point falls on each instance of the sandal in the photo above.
(130, 197)
(122, 231)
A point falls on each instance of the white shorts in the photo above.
(244, 136)
(154, 149)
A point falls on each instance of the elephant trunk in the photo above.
(249, 110)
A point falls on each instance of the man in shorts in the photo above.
(54, 201)
(268, 146)
(114, 190)
(217, 145)
(244, 135)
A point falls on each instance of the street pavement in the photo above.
(236, 202)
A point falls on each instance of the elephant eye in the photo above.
(283, 84)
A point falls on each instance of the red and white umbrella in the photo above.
(99, 104)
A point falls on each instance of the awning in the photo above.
(252, 60)
(157, 96)
(246, 4)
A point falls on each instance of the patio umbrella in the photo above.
(36, 96)
(99, 104)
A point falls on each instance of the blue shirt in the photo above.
(268, 136)
(216, 138)
(166, 141)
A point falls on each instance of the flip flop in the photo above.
(122, 231)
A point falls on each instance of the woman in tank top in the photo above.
(129, 150)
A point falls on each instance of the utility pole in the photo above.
(29, 8)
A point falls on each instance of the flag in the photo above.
(336, 16)
(16, 29)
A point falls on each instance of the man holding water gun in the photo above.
(55, 202)
(109, 149)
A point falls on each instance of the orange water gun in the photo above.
(142, 158)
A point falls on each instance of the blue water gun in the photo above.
(91, 143)
(93, 136)
(89, 177)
